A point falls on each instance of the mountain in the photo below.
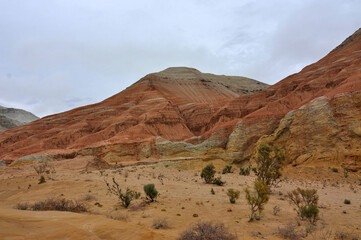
(173, 105)
(12, 117)
(313, 115)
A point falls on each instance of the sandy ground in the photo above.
(182, 194)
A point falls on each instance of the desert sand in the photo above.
(182, 194)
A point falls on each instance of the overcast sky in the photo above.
(59, 54)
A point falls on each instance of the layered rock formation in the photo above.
(172, 105)
(313, 115)
(12, 117)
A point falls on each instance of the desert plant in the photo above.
(233, 195)
(346, 236)
(42, 180)
(345, 171)
(227, 169)
(347, 201)
(310, 213)
(289, 232)
(218, 181)
(151, 192)
(258, 198)
(305, 203)
(212, 191)
(334, 170)
(43, 167)
(245, 171)
(208, 173)
(55, 205)
(276, 210)
(125, 197)
(269, 163)
(207, 231)
(160, 223)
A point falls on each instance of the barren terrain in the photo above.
(182, 194)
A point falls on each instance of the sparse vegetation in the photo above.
(346, 236)
(345, 171)
(160, 223)
(207, 231)
(347, 201)
(42, 180)
(151, 192)
(289, 232)
(227, 169)
(258, 198)
(212, 191)
(269, 163)
(334, 170)
(305, 202)
(54, 205)
(43, 167)
(276, 210)
(208, 173)
(233, 195)
(245, 171)
(125, 197)
(218, 181)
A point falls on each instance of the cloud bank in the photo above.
(60, 54)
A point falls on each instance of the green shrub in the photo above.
(218, 181)
(125, 198)
(346, 201)
(269, 163)
(208, 173)
(227, 169)
(310, 213)
(151, 192)
(305, 202)
(258, 198)
(334, 170)
(233, 195)
(212, 191)
(42, 180)
(245, 171)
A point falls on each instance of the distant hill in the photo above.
(12, 117)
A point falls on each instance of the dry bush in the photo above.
(160, 223)
(44, 167)
(208, 231)
(55, 205)
(126, 197)
(257, 199)
(289, 232)
(118, 216)
(346, 236)
(89, 197)
(22, 206)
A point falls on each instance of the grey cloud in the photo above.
(56, 55)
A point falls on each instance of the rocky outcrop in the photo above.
(325, 132)
(12, 117)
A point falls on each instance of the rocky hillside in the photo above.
(313, 115)
(175, 105)
(12, 117)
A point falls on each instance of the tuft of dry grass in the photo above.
(206, 230)
(289, 232)
(53, 205)
(160, 223)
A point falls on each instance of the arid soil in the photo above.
(182, 194)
